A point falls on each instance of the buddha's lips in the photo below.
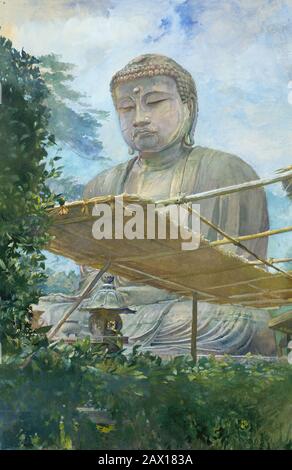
(142, 132)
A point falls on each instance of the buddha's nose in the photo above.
(141, 119)
(142, 122)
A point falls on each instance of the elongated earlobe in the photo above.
(188, 140)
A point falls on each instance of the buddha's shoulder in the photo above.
(106, 182)
(221, 162)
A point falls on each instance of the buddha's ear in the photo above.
(191, 105)
(193, 110)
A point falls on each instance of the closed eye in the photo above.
(156, 101)
(126, 108)
(126, 105)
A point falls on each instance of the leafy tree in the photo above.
(61, 282)
(75, 126)
(287, 185)
(24, 193)
(69, 187)
(72, 121)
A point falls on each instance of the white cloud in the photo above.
(242, 79)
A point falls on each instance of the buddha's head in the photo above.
(156, 101)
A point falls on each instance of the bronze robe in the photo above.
(162, 323)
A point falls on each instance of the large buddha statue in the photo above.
(157, 106)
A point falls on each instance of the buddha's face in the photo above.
(151, 113)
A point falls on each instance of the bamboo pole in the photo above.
(150, 277)
(273, 260)
(224, 241)
(227, 190)
(283, 174)
(194, 327)
(83, 296)
(267, 233)
(237, 243)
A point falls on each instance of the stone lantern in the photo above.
(105, 308)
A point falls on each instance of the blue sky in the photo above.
(238, 51)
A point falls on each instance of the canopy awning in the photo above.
(215, 274)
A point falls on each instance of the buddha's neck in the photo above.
(161, 160)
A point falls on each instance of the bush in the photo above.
(140, 402)
(61, 282)
(24, 194)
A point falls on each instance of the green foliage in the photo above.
(60, 282)
(73, 122)
(287, 186)
(82, 397)
(70, 188)
(24, 194)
